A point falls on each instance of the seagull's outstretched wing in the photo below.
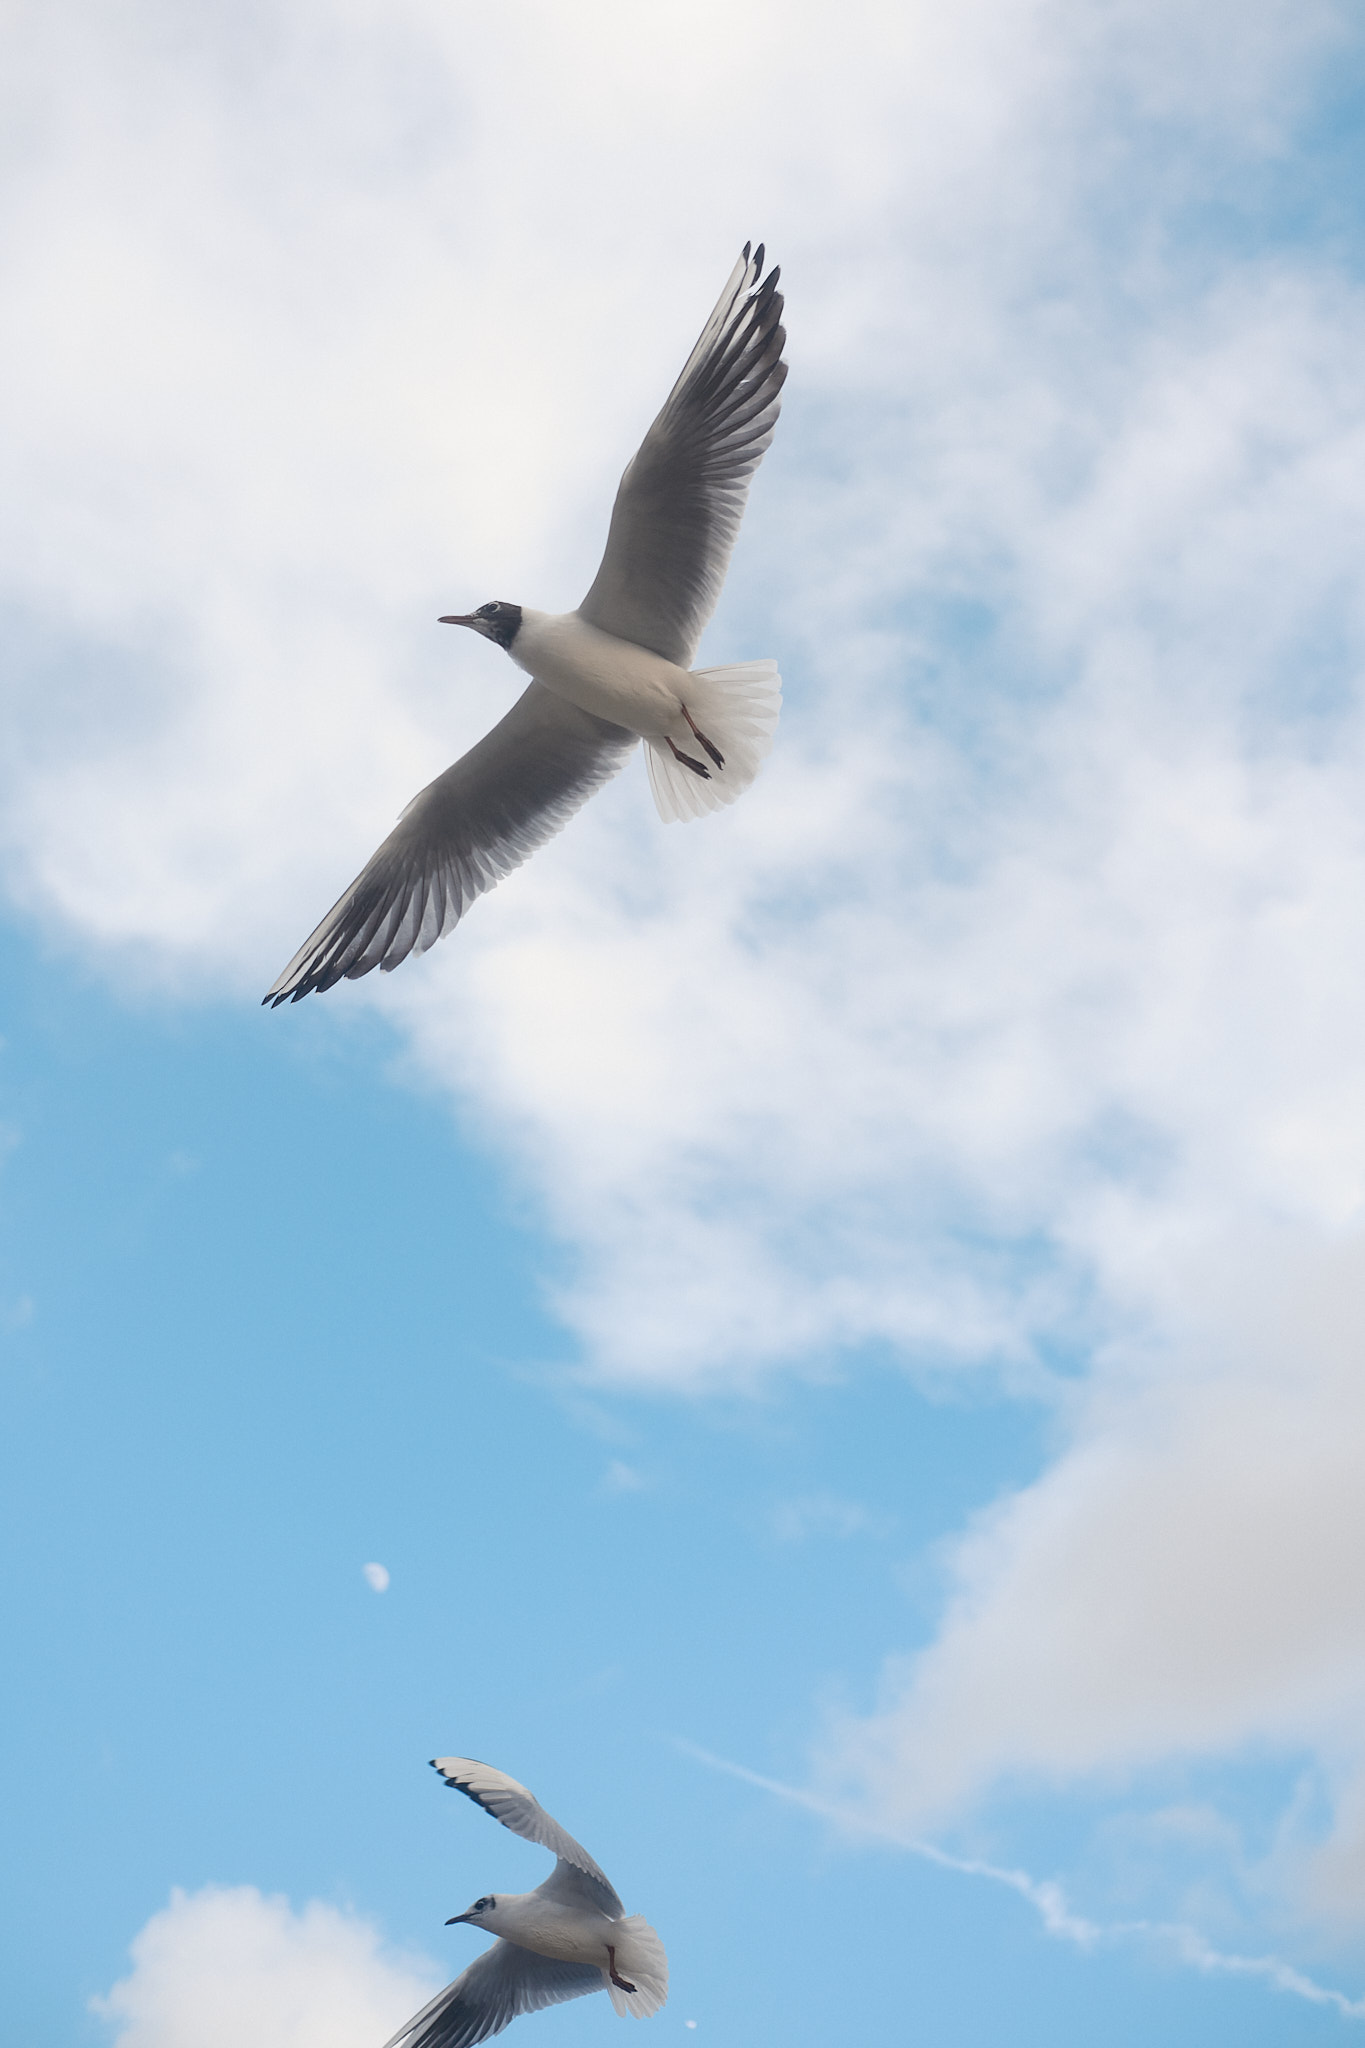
(682, 497)
(464, 832)
(503, 1983)
(575, 1874)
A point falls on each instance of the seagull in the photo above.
(570, 1936)
(615, 671)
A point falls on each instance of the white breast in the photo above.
(533, 1921)
(609, 677)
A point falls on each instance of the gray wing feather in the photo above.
(460, 835)
(570, 1885)
(681, 499)
(504, 1982)
(575, 1875)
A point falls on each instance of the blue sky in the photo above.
(236, 1386)
(865, 1291)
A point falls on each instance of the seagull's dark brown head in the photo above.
(500, 622)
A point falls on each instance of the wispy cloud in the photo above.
(19, 1313)
(825, 1514)
(1049, 1901)
(622, 1478)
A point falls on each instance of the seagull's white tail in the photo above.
(640, 1957)
(737, 709)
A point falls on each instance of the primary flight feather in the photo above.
(570, 1936)
(603, 677)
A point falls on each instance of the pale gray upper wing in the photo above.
(459, 836)
(570, 1885)
(682, 497)
(523, 1813)
(502, 1983)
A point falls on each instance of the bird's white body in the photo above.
(573, 1933)
(611, 678)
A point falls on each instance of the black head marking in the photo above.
(496, 621)
(499, 621)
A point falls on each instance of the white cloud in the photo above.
(1188, 1577)
(1019, 1007)
(1186, 1582)
(376, 1577)
(219, 1967)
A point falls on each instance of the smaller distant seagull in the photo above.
(570, 1936)
(615, 671)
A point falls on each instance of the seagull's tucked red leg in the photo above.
(697, 767)
(697, 733)
(619, 1982)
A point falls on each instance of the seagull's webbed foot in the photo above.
(621, 1983)
(697, 767)
(697, 733)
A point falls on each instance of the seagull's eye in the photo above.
(487, 611)
(483, 1905)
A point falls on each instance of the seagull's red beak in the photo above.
(458, 619)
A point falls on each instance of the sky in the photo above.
(826, 1341)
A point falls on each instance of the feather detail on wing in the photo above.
(503, 1983)
(681, 499)
(464, 832)
(523, 1813)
